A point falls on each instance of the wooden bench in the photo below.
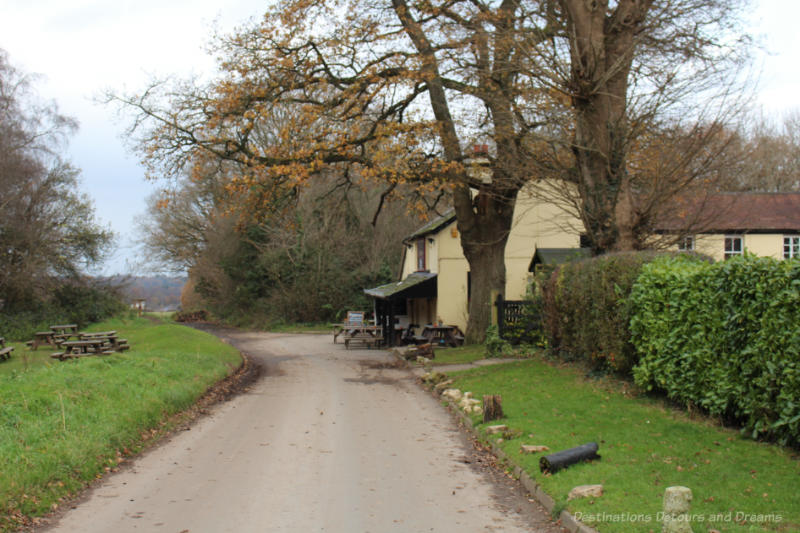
(43, 337)
(121, 345)
(369, 341)
(5, 352)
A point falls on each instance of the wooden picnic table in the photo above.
(364, 334)
(443, 335)
(43, 337)
(91, 334)
(117, 344)
(72, 349)
(54, 337)
(5, 352)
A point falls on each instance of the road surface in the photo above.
(329, 440)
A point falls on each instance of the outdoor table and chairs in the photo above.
(53, 337)
(354, 319)
(368, 335)
(5, 351)
(94, 343)
(117, 344)
(65, 329)
(95, 346)
(443, 335)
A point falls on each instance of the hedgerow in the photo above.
(586, 311)
(723, 337)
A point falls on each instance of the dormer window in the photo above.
(421, 263)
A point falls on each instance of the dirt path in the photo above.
(327, 440)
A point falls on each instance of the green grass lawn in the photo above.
(63, 424)
(645, 447)
(462, 354)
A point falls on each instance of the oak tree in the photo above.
(396, 92)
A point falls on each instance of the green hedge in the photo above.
(586, 312)
(723, 337)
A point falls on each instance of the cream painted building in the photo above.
(434, 284)
(435, 280)
(764, 224)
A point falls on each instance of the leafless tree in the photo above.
(47, 226)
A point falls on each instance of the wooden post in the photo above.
(492, 408)
(388, 326)
(494, 295)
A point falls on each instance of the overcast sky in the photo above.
(83, 47)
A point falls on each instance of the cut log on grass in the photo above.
(556, 461)
(492, 407)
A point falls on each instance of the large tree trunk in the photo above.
(602, 49)
(484, 224)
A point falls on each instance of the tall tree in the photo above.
(651, 91)
(398, 91)
(47, 227)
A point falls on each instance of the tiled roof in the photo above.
(735, 212)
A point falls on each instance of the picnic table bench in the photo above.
(54, 337)
(443, 335)
(369, 336)
(92, 343)
(44, 337)
(5, 352)
(355, 319)
(119, 345)
(74, 349)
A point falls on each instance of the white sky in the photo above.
(83, 47)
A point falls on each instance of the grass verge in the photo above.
(738, 484)
(459, 355)
(63, 424)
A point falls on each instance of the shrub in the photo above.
(586, 310)
(76, 303)
(200, 315)
(723, 337)
(495, 345)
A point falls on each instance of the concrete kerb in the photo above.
(568, 521)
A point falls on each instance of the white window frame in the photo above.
(791, 246)
(687, 243)
(732, 252)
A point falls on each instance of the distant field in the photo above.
(64, 423)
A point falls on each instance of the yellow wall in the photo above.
(536, 224)
(711, 245)
(765, 245)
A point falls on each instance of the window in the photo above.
(686, 244)
(791, 246)
(421, 255)
(733, 246)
